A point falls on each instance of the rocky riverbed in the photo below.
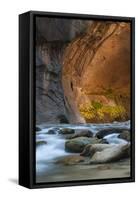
(66, 152)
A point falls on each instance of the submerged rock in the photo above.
(52, 132)
(77, 145)
(37, 128)
(104, 167)
(71, 160)
(41, 142)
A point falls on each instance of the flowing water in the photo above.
(52, 146)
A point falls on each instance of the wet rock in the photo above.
(81, 133)
(90, 149)
(37, 128)
(51, 132)
(71, 160)
(104, 141)
(63, 119)
(125, 135)
(39, 143)
(102, 133)
(67, 131)
(77, 145)
(112, 154)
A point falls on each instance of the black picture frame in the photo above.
(27, 99)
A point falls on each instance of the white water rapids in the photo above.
(54, 143)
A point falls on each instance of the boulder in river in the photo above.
(71, 160)
(51, 132)
(37, 128)
(77, 145)
(112, 154)
(81, 133)
(102, 133)
(40, 142)
(125, 135)
(90, 149)
(67, 131)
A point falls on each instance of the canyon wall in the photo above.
(82, 71)
(52, 37)
(96, 73)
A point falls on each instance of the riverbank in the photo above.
(60, 172)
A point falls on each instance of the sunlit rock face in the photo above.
(96, 72)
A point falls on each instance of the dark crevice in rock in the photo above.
(50, 46)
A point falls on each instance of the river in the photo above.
(52, 147)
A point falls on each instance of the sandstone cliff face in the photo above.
(96, 74)
(52, 37)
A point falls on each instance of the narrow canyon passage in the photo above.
(82, 71)
(96, 73)
(83, 124)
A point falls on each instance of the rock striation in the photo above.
(82, 71)
(96, 74)
(52, 37)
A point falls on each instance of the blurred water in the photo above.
(54, 147)
(113, 139)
